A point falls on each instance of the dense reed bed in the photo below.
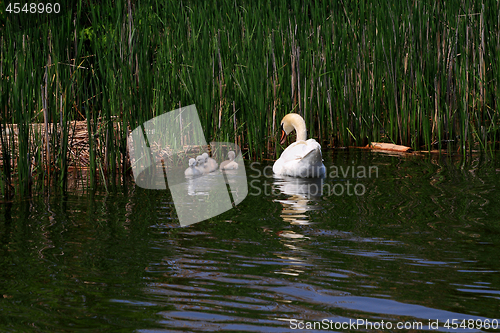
(417, 73)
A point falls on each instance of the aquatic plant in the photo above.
(419, 73)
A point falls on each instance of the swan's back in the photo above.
(230, 164)
(210, 163)
(301, 159)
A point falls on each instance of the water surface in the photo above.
(411, 240)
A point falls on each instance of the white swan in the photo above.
(200, 164)
(192, 170)
(210, 163)
(230, 164)
(303, 157)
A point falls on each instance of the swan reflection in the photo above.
(200, 186)
(301, 191)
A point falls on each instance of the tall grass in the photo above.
(417, 73)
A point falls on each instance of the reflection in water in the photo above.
(200, 186)
(301, 191)
(200, 198)
(421, 244)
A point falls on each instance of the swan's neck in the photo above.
(300, 127)
(301, 132)
(294, 121)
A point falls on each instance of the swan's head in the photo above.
(290, 122)
(231, 155)
(205, 156)
(200, 160)
(192, 162)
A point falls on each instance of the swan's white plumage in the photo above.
(192, 170)
(230, 164)
(210, 163)
(302, 158)
(200, 164)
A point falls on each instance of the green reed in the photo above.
(416, 73)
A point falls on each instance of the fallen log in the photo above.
(389, 147)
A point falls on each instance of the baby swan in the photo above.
(230, 164)
(210, 163)
(200, 164)
(303, 157)
(192, 170)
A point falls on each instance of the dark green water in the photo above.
(421, 243)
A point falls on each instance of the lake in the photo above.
(383, 243)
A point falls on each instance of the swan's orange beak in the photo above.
(283, 135)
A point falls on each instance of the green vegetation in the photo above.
(417, 73)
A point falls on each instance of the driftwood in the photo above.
(389, 147)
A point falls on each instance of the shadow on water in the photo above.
(420, 243)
